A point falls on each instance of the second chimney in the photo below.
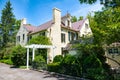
(23, 21)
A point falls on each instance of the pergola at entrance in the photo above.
(34, 46)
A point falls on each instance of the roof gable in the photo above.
(43, 26)
(29, 28)
(78, 25)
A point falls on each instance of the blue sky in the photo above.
(39, 11)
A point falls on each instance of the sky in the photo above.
(39, 11)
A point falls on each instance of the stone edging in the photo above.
(63, 75)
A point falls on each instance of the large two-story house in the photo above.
(60, 31)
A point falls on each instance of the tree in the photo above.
(14, 31)
(18, 55)
(41, 40)
(80, 18)
(106, 3)
(74, 19)
(93, 62)
(7, 22)
(108, 24)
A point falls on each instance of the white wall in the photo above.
(20, 33)
(85, 31)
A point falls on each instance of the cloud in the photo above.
(85, 9)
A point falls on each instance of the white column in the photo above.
(27, 58)
(33, 54)
(53, 53)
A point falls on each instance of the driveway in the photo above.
(7, 73)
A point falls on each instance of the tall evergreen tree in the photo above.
(7, 22)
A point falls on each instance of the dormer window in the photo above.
(68, 23)
(86, 25)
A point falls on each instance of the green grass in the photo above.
(23, 67)
(6, 61)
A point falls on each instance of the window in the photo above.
(42, 33)
(72, 36)
(69, 36)
(110, 51)
(86, 25)
(23, 37)
(18, 38)
(68, 23)
(76, 36)
(113, 51)
(62, 37)
(29, 37)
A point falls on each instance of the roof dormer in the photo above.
(67, 20)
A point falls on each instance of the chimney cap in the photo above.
(56, 9)
(23, 21)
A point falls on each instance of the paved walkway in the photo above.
(7, 73)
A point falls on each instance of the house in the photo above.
(113, 55)
(60, 31)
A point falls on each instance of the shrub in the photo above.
(39, 63)
(18, 56)
(7, 61)
(54, 67)
(70, 66)
(58, 58)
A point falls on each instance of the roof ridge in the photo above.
(45, 22)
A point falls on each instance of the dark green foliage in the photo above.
(106, 26)
(106, 3)
(40, 40)
(54, 67)
(42, 52)
(6, 61)
(18, 56)
(58, 58)
(70, 66)
(74, 19)
(7, 22)
(89, 63)
(6, 58)
(80, 18)
(39, 63)
(87, 1)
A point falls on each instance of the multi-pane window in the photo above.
(42, 33)
(110, 51)
(62, 37)
(18, 38)
(69, 36)
(113, 51)
(23, 37)
(68, 23)
(72, 36)
(86, 25)
(29, 37)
